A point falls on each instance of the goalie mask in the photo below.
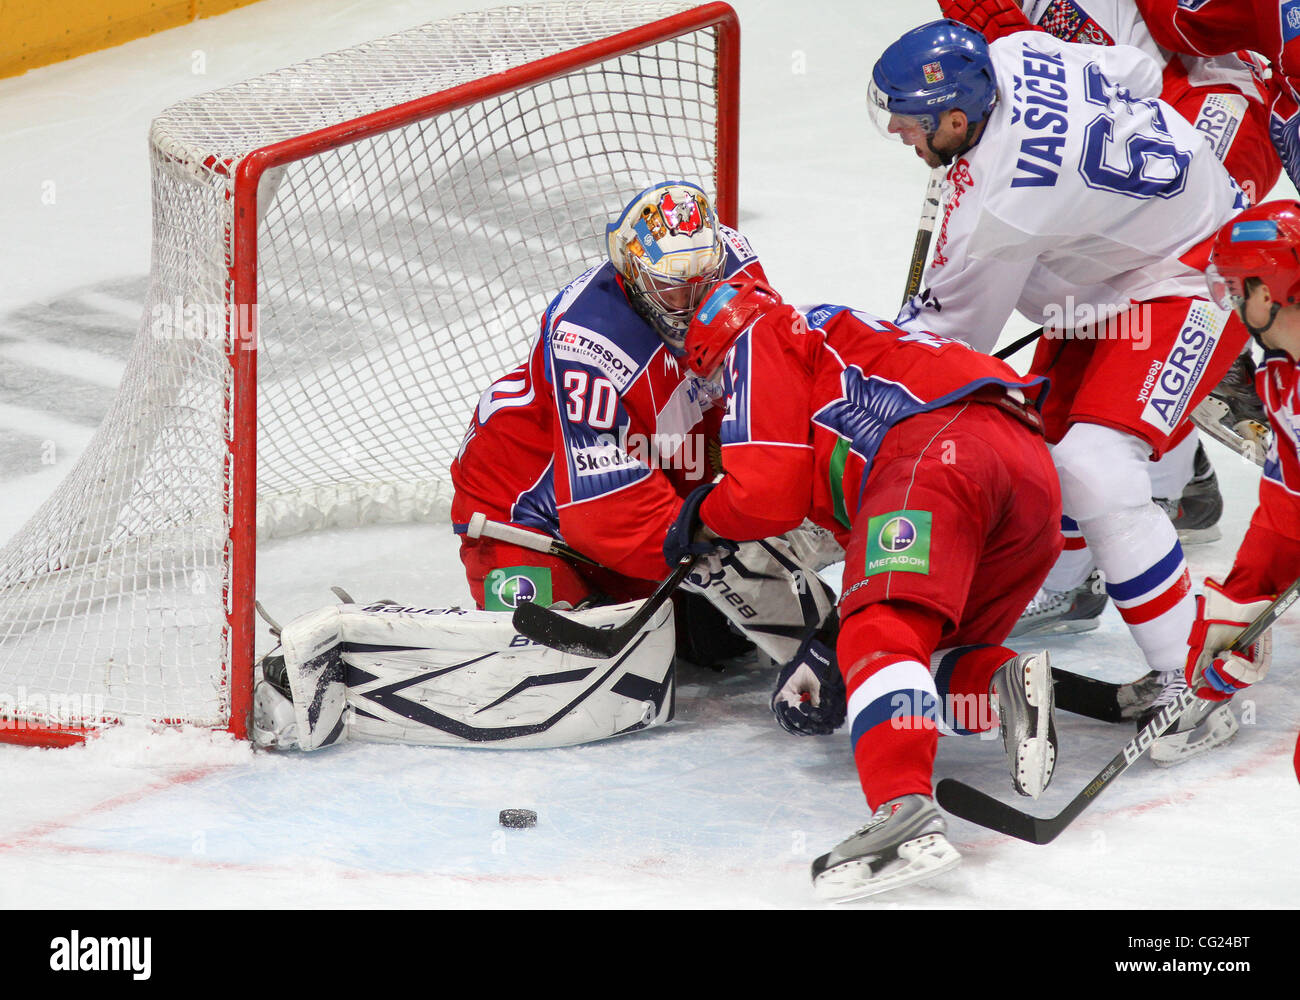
(1260, 244)
(667, 247)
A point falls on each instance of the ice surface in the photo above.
(720, 808)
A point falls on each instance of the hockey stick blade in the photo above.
(971, 804)
(1087, 696)
(554, 629)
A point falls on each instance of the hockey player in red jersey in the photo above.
(1255, 269)
(594, 440)
(927, 461)
(1084, 202)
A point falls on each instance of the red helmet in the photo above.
(731, 307)
(1262, 242)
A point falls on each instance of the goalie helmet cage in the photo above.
(345, 253)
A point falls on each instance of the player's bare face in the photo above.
(1257, 310)
(1283, 333)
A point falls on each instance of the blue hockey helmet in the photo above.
(940, 66)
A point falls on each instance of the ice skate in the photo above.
(1022, 697)
(1233, 414)
(1064, 612)
(1203, 726)
(905, 841)
(1196, 513)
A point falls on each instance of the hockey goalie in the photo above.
(574, 467)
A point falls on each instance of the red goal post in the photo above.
(353, 263)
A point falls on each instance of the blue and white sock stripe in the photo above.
(943, 663)
(1151, 582)
(902, 690)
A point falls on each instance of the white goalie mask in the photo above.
(667, 247)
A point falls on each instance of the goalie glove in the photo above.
(991, 18)
(810, 698)
(1212, 672)
(689, 536)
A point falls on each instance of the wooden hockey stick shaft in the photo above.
(924, 232)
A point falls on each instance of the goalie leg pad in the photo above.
(449, 677)
(772, 594)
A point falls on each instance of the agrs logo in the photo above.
(898, 535)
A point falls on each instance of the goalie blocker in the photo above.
(386, 673)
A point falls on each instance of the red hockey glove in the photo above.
(992, 18)
(1212, 672)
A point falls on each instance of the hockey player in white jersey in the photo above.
(1226, 98)
(1078, 198)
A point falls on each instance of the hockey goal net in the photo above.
(345, 253)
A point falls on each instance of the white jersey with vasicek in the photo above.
(1079, 198)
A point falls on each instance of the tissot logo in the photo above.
(75, 953)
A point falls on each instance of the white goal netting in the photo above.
(397, 276)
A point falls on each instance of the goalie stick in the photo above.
(978, 807)
(553, 629)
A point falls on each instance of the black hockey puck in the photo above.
(517, 819)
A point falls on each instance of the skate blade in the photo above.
(1035, 764)
(1071, 627)
(1247, 437)
(1220, 728)
(918, 860)
(1199, 536)
(1035, 758)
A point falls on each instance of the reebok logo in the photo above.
(102, 954)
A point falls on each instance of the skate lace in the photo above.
(1046, 602)
(1173, 685)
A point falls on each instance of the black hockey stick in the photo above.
(1104, 701)
(1014, 346)
(553, 629)
(924, 231)
(971, 804)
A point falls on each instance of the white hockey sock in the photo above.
(1147, 578)
(1075, 561)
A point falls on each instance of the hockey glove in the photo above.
(991, 18)
(1212, 673)
(687, 537)
(810, 699)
